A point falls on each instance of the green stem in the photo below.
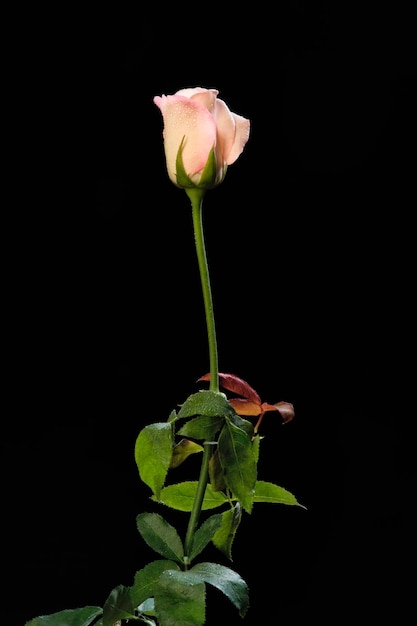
(199, 496)
(196, 197)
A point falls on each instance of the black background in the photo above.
(310, 242)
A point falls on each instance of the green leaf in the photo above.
(85, 616)
(202, 427)
(180, 599)
(182, 450)
(118, 606)
(224, 536)
(245, 425)
(147, 607)
(153, 453)
(160, 536)
(239, 464)
(227, 581)
(216, 473)
(208, 403)
(204, 535)
(145, 579)
(181, 496)
(268, 492)
(256, 441)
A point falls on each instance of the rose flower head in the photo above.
(201, 137)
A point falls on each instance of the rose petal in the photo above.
(189, 92)
(232, 132)
(185, 117)
(241, 137)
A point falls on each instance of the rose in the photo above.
(201, 136)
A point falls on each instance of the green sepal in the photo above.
(183, 180)
(208, 175)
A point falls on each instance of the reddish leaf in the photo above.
(236, 385)
(245, 407)
(268, 407)
(250, 403)
(286, 409)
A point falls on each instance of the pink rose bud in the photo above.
(201, 137)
